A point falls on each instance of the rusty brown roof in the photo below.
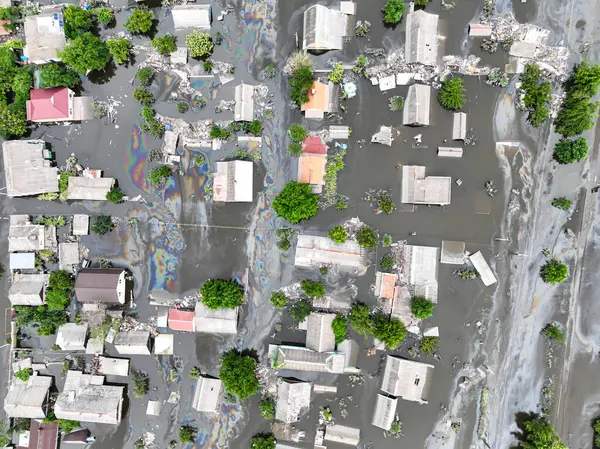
(98, 285)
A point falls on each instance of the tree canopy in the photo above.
(188, 434)
(538, 433)
(140, 21)
(222, 294)
(158, 176)
(296, 202)
(392, 12)
(567, 151)
(58, 293)
(263, 441)
(58, 75)
(238, 374)
(84, 53)
(77, 20)
(312, 288)
(366, 237)
(102, 224)
(390, 331)
(360, 319)
(340, 328)
(421, 307)
(300, 310)
(120, 49)
(554, 272)
(300, 82)
(338, 234)
(200, 45)
(297, 133)
(537, 95)
(452, 94)
(165, 45)
(115, 195)
(279, 300)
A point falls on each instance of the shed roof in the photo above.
(192, 16)
(113, 367)
(311, 169)
(181, 320)
(81, 224)
(459, 126)
(304, 359)
(293, 399)
(324, 28)
(27, 399)
(233, 181)
(163, 344)
(43, 435)
(22, 261)
(95, 285)
(68, 253)
(420, 270)
(48, 104)
(385, 412)
(206, 394)
(44, 36)
(132, 342)
(220, 321)
(244, 103)
(417, 105)
(385, 285)
(314, 145)
(29, 237)
(339, 132)
(407, 379)
(28, 289)
(27, 172)
(314, 251)
(153, 408)
(480, 30)
(342, 434)
(350, 349)
(453, 252)
(81, 188)
(384, 136)
(422, 44)
(455, 152)
(71, 336)
(420, 189)
(319, 333)
(482, 267)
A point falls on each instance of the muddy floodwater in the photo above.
(179, 239)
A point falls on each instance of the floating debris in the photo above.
(490, 188)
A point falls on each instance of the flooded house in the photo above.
(233, 182)
(68, 255)
(22, 261)
(322, 99)
(407, 379)
(85, 398)
(293, 399)
(319, 333)
(482, 267)
(197, 15)
(84, 188)
(342, 434)
(133, 342)
(459, 126)
(417, 106)
(81, 224)
(453, 253)
(28, 168)
(385, 285)
(244, 103)
(181, 320)
(220, 321)
(419, 270)
(315, 251)
(206, 394)
(325, 28)
(28, 289)
(42, 435)
(311, 170)
(296, 358)
(44, 36)
(164, 344)
(28, 399)
(384, 412)
(420, 189)
(101, 286)
(58, 104)
(72, 336)
(23, 235)
(422, 39)
(113, 367)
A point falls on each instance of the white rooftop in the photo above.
(407, 379)
(293, 399)
(113, 367)
(385, 412)
(206, 395)
(71, 336)
(81, 224)
(313, 251)
(28, 399)
(482, 267)
(26, 170)
(192, 16)
(220, 321)
(28, 289)
(233, 182)
(81, 188)
(163, 344)
(319, 333)
(420, 189)
(422, 40)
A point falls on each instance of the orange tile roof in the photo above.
(317, 99)
(311, 169)
(388, 286)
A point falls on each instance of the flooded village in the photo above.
(290, 224)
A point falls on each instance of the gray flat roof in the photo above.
(27, 172)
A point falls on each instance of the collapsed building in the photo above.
(314, 251)
(293, 399)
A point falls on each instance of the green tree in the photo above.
(366, 237)
(77, 21)
(254, 127)
(144, 76)
(68, 425)
(421, 307)
(13, 121)
(143, 96)
(158, 176)
(359, 319)
(263, 441)
(238, 374)
(141, 385)
(553, 332)
(312, 288)
(165, 45)
(300, 310)
(539, 434)
(182, 108)
(188, 434)
(295, 149)
(24, 374)
(296, 202)
(452, 94)
(200, 45)
(57, 75)
(48, 320)
(60, 287)
(84, 53)
(568, 151)
(429, 345)
(120, 48)
(267, 407)
(300, 83)
(337, 74)
(391, 331)
(562, 203)
(392, 12)
(338, 234)
(537, 95)
(421, 2)
(279, 300)
(104, 15)
(554, 272)
(586, 78)
(222, 294)
(115, 195)
(577, 114)
(102, 224)
(386, 263)
(140, 21)
(340, 328)
(297, 133)
(195, 372)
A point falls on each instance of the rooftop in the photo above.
(233, 181)
(419, 189)
(81, 224)
(28, 289)
(22, 261)
(417, 106)
(304, 359)
(342, 434)
(163, 344)
(322, 98)
(313, 251)
(132, 342)
(113, 367)
(28, 399)
(422, 40)
(325, 28)
(453, 252)
(82, 188)
(181, 320)
(293, 399)
(99, 285)
(28, 237)
(319, 333)
(407, 379)
(221, 321)
(385, 285)
(43, 435)
(192, 16)
(26, 169)
(72, 336)
(44, 36)
(244, 103)
(206, 394)
(420, 270)
(68, 254)
(384, 412)
(314, 145)
(49, 104)
(482, 267)
(311, 169)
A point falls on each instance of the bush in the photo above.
(568, 151)
(207, 66)
(165, 45)
(267, 407)
(337, 74)
(340, 328)
(84, 53)
(115, 195)
(238, 374)
(13, 122)
(296, 202)
(387, 240)
(24, 374)
(140, 21)
(421, 2)
(222, 294)
(279, 300)
(143, 96)
(301, 310)
(387, 263)
(539, 433)
(312, 288)
(421, 307)
(76, 21)
(537, 95)
(144, 76)
(366, 237)
(452, 94)
(153, 127)
(158, 176)
(554, 272)
(188, 434)
(553, 332)
(254, 127)
(359, 319)
(200, 45)
(295, 149)
(338, 234)
(297, 133)
(141, 385)
(195, 372)
(396, 103)
(263, 441)
(58, 293)
(68, 425)
(430, 345)
(182, 107)
(390, 331)
(120, 48)
(104, 15)
(562, 203)
(102, 224)
(300, 83)
(392, 12)
(385, 203)
(56, 75)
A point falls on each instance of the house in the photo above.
(420, 189)
(422, 40)
(384, 412)
(101, 285)
(28, 168)
(25, 236)
(44, 36)
(28, 399)
(303, 359)
(385, 285)
(342, 434)
(482, 267)
(163, 344)
(22, 261)
(339, 132)
(459, 126)
(82, 188)
(417, 105)
(133, 342)
(113, 367)
(68, 255)
(407, 379)
(453, 252)
(181, 320)
(313, 145)
(28, 289)
(153, 408)
(58, 104)
(325, 29)
(85, 398)
(420, 270)
(72, 336)
(314, 251)
(244, 103)
(480, 30)
(311, 170)
(206, 394)
(454, 152)
(350, 349)
(322, 98)
(233, 182)
(42, 435)
(293, 400)
(220, 321)
(192, 16)
(319, 333)
(81, 224)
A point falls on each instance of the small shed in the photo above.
(350, 349)
(133, 342)
(385, 285)
(72, 336)
(220, 321)
(455, 152)
(163, 344)
(417, 105)
(319, 333)
(384, 136)
(192, 16)
(385, 412)
(81, 224)
(244, 103)
(113, 367)
(480, 30)
(233, 182)
(28, 289)
(453, 252)
(459, 126)
(339, 132)
(68, 254)
(153, 408)
(293, 399)
(322, 98)
(206, 395)
(342, 434)
(181, 320)
(387, 82)
(482, 267)
(22, 261)
(82, 188)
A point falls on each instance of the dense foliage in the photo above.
(143, 96)
(24, 374)
(429, 345)
(421, 307)
(366, 237)
(568, 151)
(120, 49)
(156, 129)
(537, 95)
(141, 385)
(539, 434)
(340, 328)
(338, 234)
(553, 332)
(452, 94)
(297, 132)
(158, 176)
(200, 45)
(360, 319)
(386, 263)
(279, 300)
(140, 21)
(104, 15)
(554, 272)
(300, 310)
(165, 45)
(144, 76)
(296, 202)
(60, 287)
(312, 288)
(57, 75)
(263, 441)
(77, 21)
(337, 74)
(15, 82)
(84, 53)
(300, 82)
(238, 374)
(68, 425)
(188, 434)
(47, 321)
(392, 12)
(222, 294)
(390, 331)
(102, 224)
(115, 195)
(267, 407)
(562, 203)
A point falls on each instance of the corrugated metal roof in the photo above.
(81, 224)
(81, 188)
(319, 333)
(221, 321)
(407, 379)
(385, 412)
(324, 28)
(304, 359)
(342, 434)
(233, 181)
(453, 252)
(422, 44)
(314, 251)
(420, 270)
(417, 105)
(206, 395)
(482, 267)
(25, 169)
(95, 285)
(192, 16)
(28, 399)
(455, 152)
(459, 126)
(132, 342)
(244, 103)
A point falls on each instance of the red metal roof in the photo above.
(180, 320)
(313, 145)
(47, 104)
